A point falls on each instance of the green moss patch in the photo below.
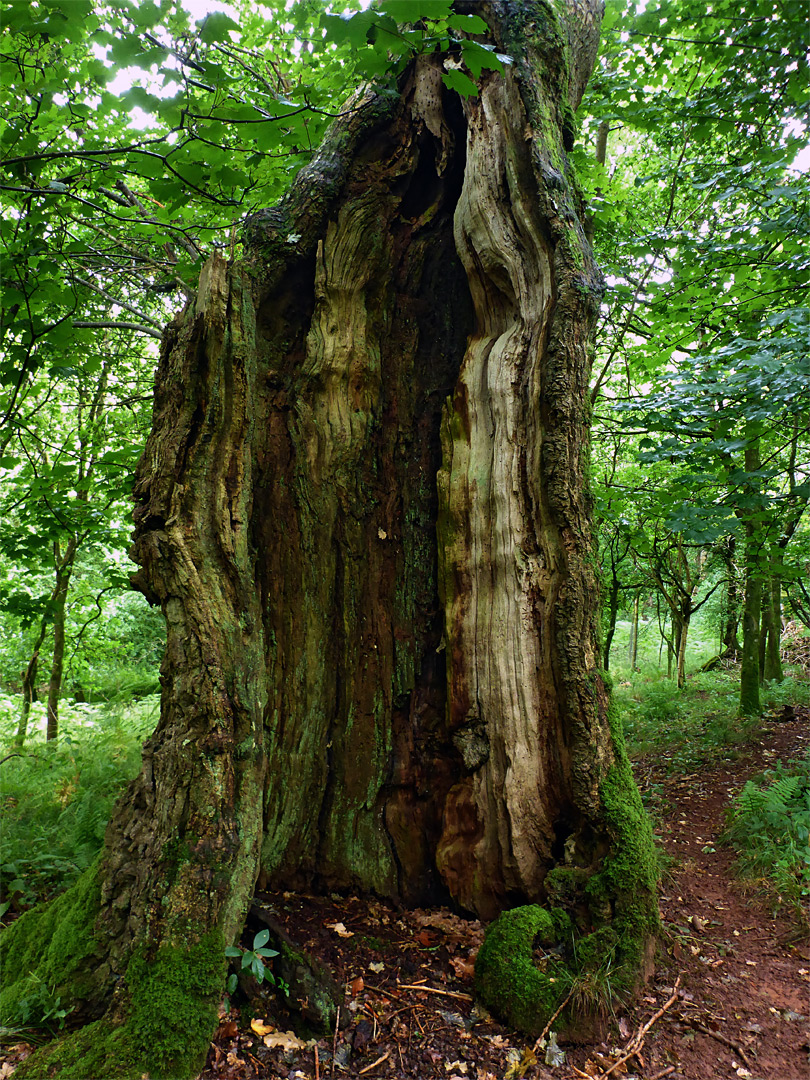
(174, 1005)
(168, 1006)
(617, 915)
(509, 982)
(625, 890)
(48, 953)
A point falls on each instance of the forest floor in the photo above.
(740, 1009)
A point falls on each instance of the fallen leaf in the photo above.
(357, 986)
(464, 969)
(259, 1027)
(519, 1064)
(454, 1018)
(340, 929)
(228, 1029)
(286, 1040)
(462, 1066)
(376, 966)
(426, 938)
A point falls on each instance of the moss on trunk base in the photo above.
(48, 953)
(159, 1025)
(509, 982)
(604, 928)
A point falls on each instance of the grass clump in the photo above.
(56, 797)
(769, 828)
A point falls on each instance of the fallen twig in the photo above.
(384, 992)
(547, 1028)
(637, 1042)
(435, 990)
(664, 1072)
(374, 1064)
(722, 1038)
(334, 1042)
(317, 1064)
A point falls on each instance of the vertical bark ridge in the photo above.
(198, 796)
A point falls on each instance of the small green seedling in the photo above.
(254, 960)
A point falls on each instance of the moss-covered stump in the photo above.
(599, 939)
(509, 981)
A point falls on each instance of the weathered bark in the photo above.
(363, 508)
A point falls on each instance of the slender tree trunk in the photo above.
(363, 509)
(29, 690)
(64, 571)
(612, 615)
(674, 651)
(752, 609)
(772, 622)
(632, 645)
(730, 647)
(683, 634)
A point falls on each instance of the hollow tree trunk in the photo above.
(363, 508)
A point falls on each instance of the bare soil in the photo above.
(730, 996)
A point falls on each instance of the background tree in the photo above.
(699, 223)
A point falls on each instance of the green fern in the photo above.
(769, 827)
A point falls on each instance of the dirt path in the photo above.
(745, 975)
